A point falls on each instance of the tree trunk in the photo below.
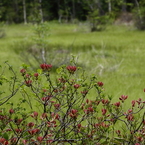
(73, 10)
(40, 11)
(139, 12)
(24, 12)
(124, 6)
(109, 6)
(16, 10)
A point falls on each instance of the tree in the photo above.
(24, 12)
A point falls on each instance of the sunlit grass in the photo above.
(116, 55)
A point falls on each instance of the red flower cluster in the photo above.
(71, 69)
(52, 123)
(123, 97)
(117, 104)
(89, 110)
(18, 130)
(30, 124)
(105, 102)
(28, 83)
(46, 99)
(3, 141)
(73, 113)
(33, 131)
(34, 114)
(57, 106)
(45, 66)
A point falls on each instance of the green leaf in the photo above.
(25, 66)
(105, 142)
(110, 97)
(5, 135)
(39, 71)
(119, 139)
(1, 82)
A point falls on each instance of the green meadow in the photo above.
(116, 55)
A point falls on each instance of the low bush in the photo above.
(66, 107)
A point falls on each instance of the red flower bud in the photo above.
(85, 92)
(57, 106)
(23, 71)
(133, 103)
(24, 142)
(61, 80)
(104, 111)
(13, 140)
(130, 117)
(18, 130)
(39, 139)
(33, 131)
(79, 125)
(117, 104)
(43, 116)
(139, 101)
(36, 75)
(73, 113)
(76, 86)
(18, 121)
(118, 132)
(30, 124)
(11, 111)
(28, 83)
(91, 109)
(100, 84)
(57, 116)
(27, 76)
(87, 101)
(105, 101)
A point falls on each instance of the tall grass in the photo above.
(115, 55)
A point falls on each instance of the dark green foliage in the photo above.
(61, 10)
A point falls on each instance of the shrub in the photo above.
(37, 49)
(140, 19)
(2, 31)
(67, 107)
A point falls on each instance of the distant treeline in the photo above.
(19, 11)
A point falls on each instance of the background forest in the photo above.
(96, 11)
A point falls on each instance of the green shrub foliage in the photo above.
(66, 107)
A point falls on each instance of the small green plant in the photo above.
(67, 107)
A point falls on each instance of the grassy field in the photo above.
(115, 55)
